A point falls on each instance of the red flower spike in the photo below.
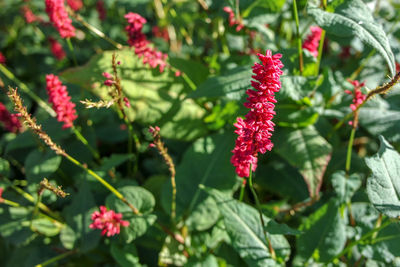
(1, 195)
(358, 96)
(101, 10)
(56, 49)
(232, 20)
(58, 97)
(10, 121)
(138, 40)
(2, 59)
(254, 132)
(109, 222)
(59, 17)
(312, 42)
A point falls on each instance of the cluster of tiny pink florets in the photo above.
(59, 17)
(61, 101)
(10, 121)
(30, 17)
(232, 19)
(56, 49)
(256, 129)
(312, 41)
(138, 40)
(358, 96)
(108, 221)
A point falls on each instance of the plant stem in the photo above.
(93, 29)
(56, 258)
(35, 209)
(242, 188)
(349, 149)
(298, 37)
(9, 202)
(103, 182)
(84, 141)
(26, 90)
(271, 249)
(320, 48)
(71, 48)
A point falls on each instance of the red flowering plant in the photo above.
(199, 133)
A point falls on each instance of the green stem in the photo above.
(271, 249)
(242, 188)
(26, 90)
(321, 46)
(56, 258)
(349, 149)
(71, 48)
(9, 202)
(355, 74)
(103, 182)
(84, 141)
(363, 238)
(299, 45)
(36, 209)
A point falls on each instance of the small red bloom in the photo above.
(312, 42)
(75, 4)
(108, 82)
(59, 17)
(358, 96)
(232, 20)
(56, 49)
(126, 102)
(30, 17)
(61, 101)
(160, 33)
(397, 66)
(256, 129)
(107, 75)
(2, 59)
(178, 73)
(108, 221)
(101, 10)
(10, 121)
(138, 40)
(1, 193)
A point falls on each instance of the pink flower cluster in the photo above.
(30, 17)
(2, 59)
(10, 121)
(59, 17)
(256, 129)
(101, 10)
(61, 101)
(138, 40)
(56, 49)
(358, 96)
(108, 221)
(75, 4)
(312, 41)
(160, 33)
(232, 20)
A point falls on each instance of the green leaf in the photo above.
(324, 234)
(206, 162)
(4, 167)
(294, 115)
(46, 227)
(345, 187)
(156, 98)
(125, 256)
(39, 165)
(244, 228)
(172, 253)
(275, 228)
(355, 18)
(141, 199)
(231, 85)
(203, 216)
(304, 149)
(208, 261)
(114, 161)
(68, 237)
(383, 186)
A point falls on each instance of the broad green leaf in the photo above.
(355, 18)
(172, 253)
(209, 261)
(304, 149)
(324, 233)
(383, 186)
(294, 115)
(275, 228)
(141, 199)
(46, 227)
(245, 230)
(4, 167)
(380, 120)
(345, 187)
(231, 85)
(39, 165)
(114, 161)
(206, 162)
(125, 255)
(68, 237)
(204, 215)
(156, 98)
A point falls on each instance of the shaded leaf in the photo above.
(383, 186)
(345, 187)
(307, 150)
(41, 165)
